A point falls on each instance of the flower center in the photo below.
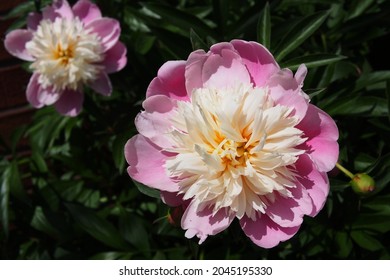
(234, 148)
(63, 55)
(66, 54)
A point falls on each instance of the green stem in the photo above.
(344, 170)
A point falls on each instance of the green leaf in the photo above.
(196, 42)
(371, 78)
(16, 136)
(312, 60)
(388, 97)
(143, 43)
(366, 241)
(299, 33)
(361, 105)
(19, 10)
(133, 230)
(96, 226)
(314, 92)
(182, 20)
(4, 200)
(118, 153)
(358, 7)
(379, 204)
(39, 162)
(17, 189)
(175, 43)
(112, 256)
(146, 190)
(344, 242)
(373, 221)
(40, 222)
(264, 27)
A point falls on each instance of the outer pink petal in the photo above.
(15, 43)
(300, 74)
(70, 103)
(289, 211)
(60, 8)
(315, 182)
(33, 20)
(265, 233)
(47, 96)
(154, 122)
(285, 90)
(86, 11)
(322, 132)
(193, 70)
(170, 81)
(258, 60)
(224, 70)
(32, 91)
(115, 58)
(203, 223)
(146, 162)
(221, 67)
(102, 84)
(107, 29)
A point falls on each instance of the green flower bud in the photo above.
(362, 184)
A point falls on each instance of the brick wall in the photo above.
(14, 109)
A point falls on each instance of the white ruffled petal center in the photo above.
(235, 148)
(66, 54)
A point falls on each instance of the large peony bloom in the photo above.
(228, 134)
(69, 47)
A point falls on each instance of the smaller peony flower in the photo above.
(69, 47)
(229, 135)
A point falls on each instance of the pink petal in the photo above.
(59, 8)
(169, 81)
(154, 122)
(15, 43)
(86, 11)
(172, 199)
(70, 103)
(300, 74)
(221, 67)
(48, 96)
(193, 70)
(115, 58)
(315, 182)
(224, 70)
(289, 211)
(322, 132)
(203, 223)
(285, 90)
(220, 47)
(32, 91)
(265, 233)
(107, 29)
(102, 84)
(33, 20)
(258, 60)
(146, 162)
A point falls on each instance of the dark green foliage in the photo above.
(69, 196)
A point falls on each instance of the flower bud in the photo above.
(362, 184)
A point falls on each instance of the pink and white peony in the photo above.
(228, 134)
(69, 47)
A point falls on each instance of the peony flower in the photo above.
(229, 135)
(69, 47)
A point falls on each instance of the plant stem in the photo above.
(344, 170)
